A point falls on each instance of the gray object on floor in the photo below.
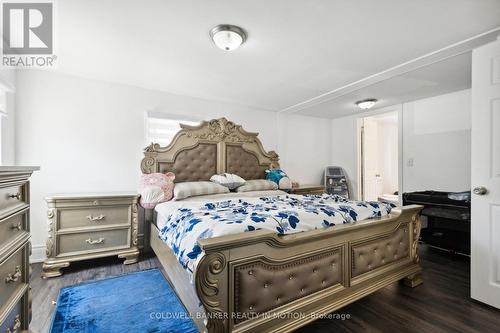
(336, 181)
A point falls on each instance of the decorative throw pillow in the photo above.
(229, 180)
(190, 189)
(155, 188)
(257, 185)
(279, 177)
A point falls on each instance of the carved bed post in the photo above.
(414, 279)
(212, 287)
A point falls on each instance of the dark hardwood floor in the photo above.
(441, 304)
(45, 291)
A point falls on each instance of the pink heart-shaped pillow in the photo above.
(155, 188)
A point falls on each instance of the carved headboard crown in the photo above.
(213, 147)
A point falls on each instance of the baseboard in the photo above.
(37, 253)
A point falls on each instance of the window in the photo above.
(161, 128)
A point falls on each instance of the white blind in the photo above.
(162, 129)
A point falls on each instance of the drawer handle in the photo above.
(18, 226)
(17, 196)
(17, 325)
(14, 277)
(95, 241)
(95, 218)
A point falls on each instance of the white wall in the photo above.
(88, 135)
(304, 147)
(344, 149)
(436, 135)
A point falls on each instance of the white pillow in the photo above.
(190, 189)
(257, 185)
(229, 180)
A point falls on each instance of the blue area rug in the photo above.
(135, 302)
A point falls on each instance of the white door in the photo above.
(372, 181)
(485, 225)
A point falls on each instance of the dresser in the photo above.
(15, 249)
(308, 189)
(87, 226)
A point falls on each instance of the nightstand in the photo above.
(87, 226)
(308, 189)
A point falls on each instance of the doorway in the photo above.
(379, 160)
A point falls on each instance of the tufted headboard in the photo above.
(213, 147)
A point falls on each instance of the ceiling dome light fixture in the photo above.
(228, 37)
(366, 104)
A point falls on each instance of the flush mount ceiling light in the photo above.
(228, 37)
(366, 104)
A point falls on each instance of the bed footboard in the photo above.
(306, 275)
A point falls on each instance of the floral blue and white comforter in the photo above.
(183, 223)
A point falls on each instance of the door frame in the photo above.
(359, 158)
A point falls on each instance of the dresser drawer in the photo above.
(13, 226)
(12, 274)
(93, 216)
(12, 197)
(97, 241)
(14, 322)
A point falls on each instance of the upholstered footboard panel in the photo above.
(262, 286)
(369, 255)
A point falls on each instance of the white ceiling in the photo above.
(296, 50)
(446, 76)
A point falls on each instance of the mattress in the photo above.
(182, 223)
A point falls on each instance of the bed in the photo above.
(264, 281)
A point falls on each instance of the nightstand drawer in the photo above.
(12, 226)
(12, 274)
(96, 241)
(93, 216)
(12, 197)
